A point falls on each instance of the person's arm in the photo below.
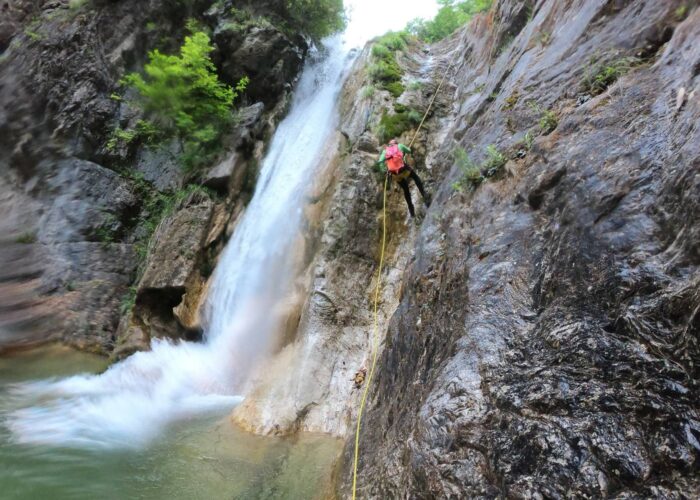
(382, 161)
(405, 149)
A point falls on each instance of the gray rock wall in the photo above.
(76, 212)
(545, 344)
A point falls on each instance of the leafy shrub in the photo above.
(385, 71)
(548, 122)
(182, 94)
(144, 130)
(548, 118)
(316, 18)
(380, 51)
(495, 161)
(395, 40)
(452, 15)
(598, 77)
(472, 174)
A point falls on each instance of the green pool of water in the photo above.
(201, 458)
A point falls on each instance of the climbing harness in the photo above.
(403, 173)
(375, 329)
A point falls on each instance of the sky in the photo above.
(369, 18)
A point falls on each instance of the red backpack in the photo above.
(394, 158)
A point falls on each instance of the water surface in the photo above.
(201, 457)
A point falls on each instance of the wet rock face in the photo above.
(546, 342)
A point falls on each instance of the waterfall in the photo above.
(130, 403)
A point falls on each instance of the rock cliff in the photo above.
(79, 208)
(539, 322)
(545, 341)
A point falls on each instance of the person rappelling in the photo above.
(393, 160)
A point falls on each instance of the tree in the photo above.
(451, 16)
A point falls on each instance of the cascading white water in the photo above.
(133, 400)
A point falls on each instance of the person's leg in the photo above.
(407, 194)
(419, 183)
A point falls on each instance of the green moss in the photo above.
(385, 71)
(76, 4)
(681, 12)
(26, 238)
(395, 88)
(415, 85)
(512, 100)
(393, 125)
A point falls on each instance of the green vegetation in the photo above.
(76, 4)
(505, 43)
(367, 91)
(543, 38)
(415, 85)
(599, 76)
(393, 125)
(548, 122)
(472, 174)
(316, 18)
(548, 119)
(182, 95)
(681, 12)
(26, 238)
(495, 161)
(128, 301)
(156, 207)
(105, 233)
(385, 71)
(512, 100)
(145, 131)
(452, 15)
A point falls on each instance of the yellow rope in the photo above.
(375, 330)
(425, 115)
(375, 338)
